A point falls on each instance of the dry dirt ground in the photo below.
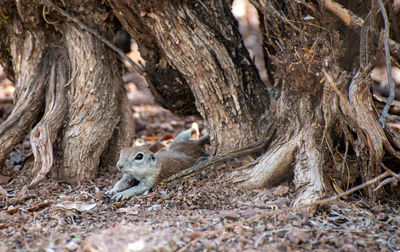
(206, 212)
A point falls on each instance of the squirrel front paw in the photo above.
(110, 193)
(120, 196)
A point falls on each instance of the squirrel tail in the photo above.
(186, 135)
(203, 140)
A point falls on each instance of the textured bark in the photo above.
(328, 134)
(202, 43)
(31, 72)
(168, 86)
(327, 124)
(86, 114)
(92, 104)
(45, 132)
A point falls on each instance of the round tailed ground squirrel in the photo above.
(148, 168)
(181, 159)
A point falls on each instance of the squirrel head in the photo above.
(138, 162)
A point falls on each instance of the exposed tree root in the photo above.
(309, 161)
(371, 136)
(45, 132)
(274, 166)
(31, 72)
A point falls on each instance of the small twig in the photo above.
(347, 17)
(189, 244)
(269, 233)
(138, 68)
(3, 191)
(19, 10)
(205, 7)
(390, 99)
(271, 9)
(385, 182)
(394, 179)
(300, 207)
(394, 175)
(44, 17)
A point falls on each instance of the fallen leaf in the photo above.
(119, 204)
(77, 205)
(6, 225)
(194, 235)
(129, 211)
(39, 206)
(13, 210)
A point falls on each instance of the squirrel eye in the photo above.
(139, 156)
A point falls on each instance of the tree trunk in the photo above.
(64, 71)
(201, 41)
(328, 134)
(328, 129)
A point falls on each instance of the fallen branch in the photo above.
(394, 175)
(394, 179)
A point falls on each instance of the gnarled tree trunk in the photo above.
(328, 129)
(328, 132)
(76, 80)
(201, 41)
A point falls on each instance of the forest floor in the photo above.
(206, 212)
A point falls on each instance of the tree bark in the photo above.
(328, 127)
(86, 114)
(202, 43)
(328, 134)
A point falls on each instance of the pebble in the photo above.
(381, 216)
(229, 214)
(248, 212)
(298, 236)
(397, 220)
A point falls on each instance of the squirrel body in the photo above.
(149, 169)
(185, 169)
